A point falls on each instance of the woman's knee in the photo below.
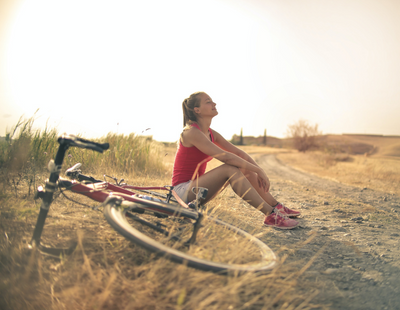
(250, 175)
(230, 170)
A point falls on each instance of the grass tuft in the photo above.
(26, 151)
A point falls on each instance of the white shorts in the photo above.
(183, 190)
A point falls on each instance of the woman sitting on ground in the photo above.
(198, 144)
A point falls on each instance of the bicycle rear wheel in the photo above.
(219, 247)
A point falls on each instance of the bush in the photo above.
(303, 135)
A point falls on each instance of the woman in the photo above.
(198, 144)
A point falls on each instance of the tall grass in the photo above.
(25, 152)
(24, 146)
(133, 154)
(128, 155)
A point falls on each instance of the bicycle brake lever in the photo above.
(107, 176)
(74, 167)
(73, 170)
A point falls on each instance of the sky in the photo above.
(91, 67)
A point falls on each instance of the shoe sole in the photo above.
(290, 215)
(293, 215)
(277, 227)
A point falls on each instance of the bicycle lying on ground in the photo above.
(160, 223)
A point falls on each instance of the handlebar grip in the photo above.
(71, 140)
(103, 146)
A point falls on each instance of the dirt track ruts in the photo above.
(359, 268)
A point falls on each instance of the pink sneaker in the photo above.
(286, 211)
(279, 220)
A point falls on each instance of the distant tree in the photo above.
(303, 134)
(241, 137)
(265, 137)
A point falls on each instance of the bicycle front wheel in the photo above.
(217, 247)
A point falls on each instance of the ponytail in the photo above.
(188, 105)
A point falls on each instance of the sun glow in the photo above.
(85, 61)
(92, 67)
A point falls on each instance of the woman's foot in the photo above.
(279, 220)
(286, 211)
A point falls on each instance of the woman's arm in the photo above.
(222, 151)
(229, 147)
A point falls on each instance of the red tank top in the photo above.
(186, 161)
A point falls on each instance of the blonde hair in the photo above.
(188, 105)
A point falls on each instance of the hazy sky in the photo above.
(94, 66)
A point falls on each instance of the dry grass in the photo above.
(358, 160)
(379, 173)
(107, 272)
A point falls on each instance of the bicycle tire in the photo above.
(119, 218)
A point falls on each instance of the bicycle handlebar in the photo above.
(71, 140)
(65, 142)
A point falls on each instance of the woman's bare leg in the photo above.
(216, 179)
(253, 179)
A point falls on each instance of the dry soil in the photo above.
(356, 248)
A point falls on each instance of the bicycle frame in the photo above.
(200, 192)
(97, 190)
(120, 202)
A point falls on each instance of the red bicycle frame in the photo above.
(102, 190)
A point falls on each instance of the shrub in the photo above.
(303, 134)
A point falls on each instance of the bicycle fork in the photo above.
(46, 195)
(65, 142)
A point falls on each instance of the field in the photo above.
(107, 272)
(373, 163)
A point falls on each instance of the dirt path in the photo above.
(357, 234)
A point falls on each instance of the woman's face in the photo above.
(207, 106)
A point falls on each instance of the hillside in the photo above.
(354, 144)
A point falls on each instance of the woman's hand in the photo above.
(263, 180)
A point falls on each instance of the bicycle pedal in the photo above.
(158, 224)
(161, 216)
(39, 194)
(192, 205)
(136, 210)
(200, 192)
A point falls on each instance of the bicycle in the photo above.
(168, 227)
